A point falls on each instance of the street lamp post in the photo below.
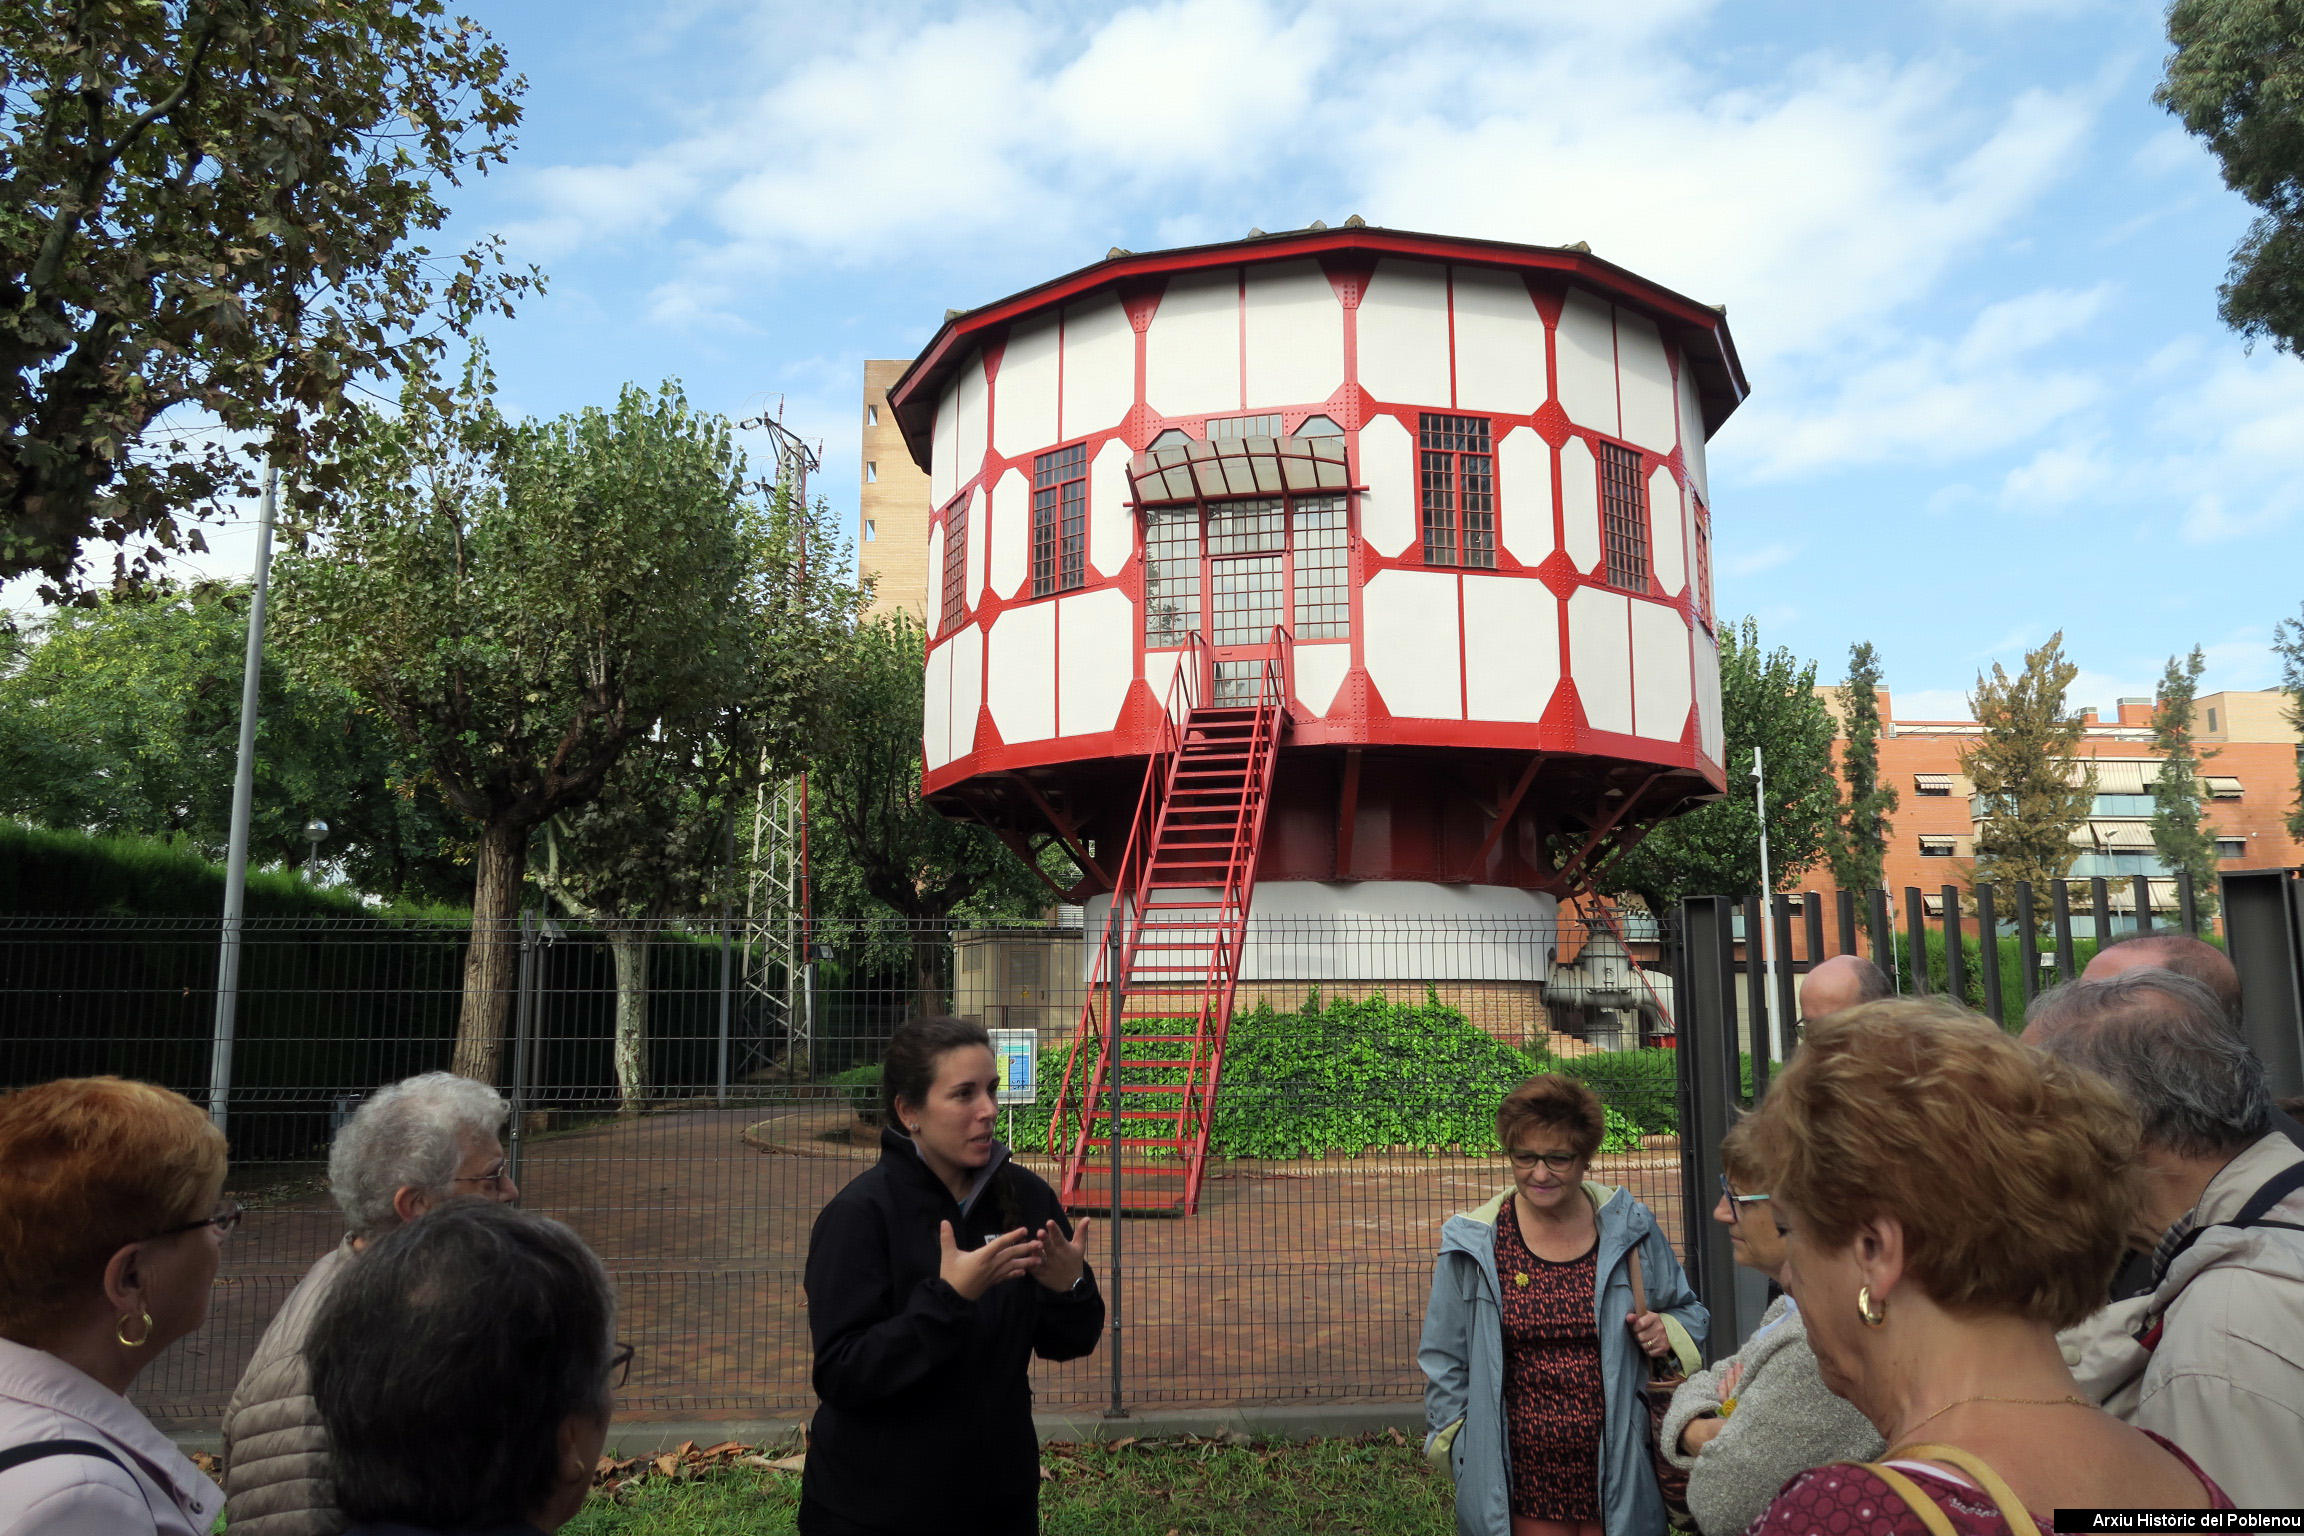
(315, 831)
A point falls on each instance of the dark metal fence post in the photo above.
(2027, 943)
(523, 1030)
(2067, 965)
(2264, 925)
(1955, 959)
(1115, 992)
(1755, 1005)
(1988, 953)
(1786, 1031)
(1915, 941)
(1814, 903)
(2100, 904)
(1844, 904)
(1706, 987)
(1883, 934)
(2187, 903)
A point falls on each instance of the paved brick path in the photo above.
(1295, 1282)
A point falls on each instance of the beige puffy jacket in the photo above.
(2225, 1377)
(275, 1449)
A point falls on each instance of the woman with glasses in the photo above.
(465, 1371)
(112, 1221)
(1744, 1426)
(1534, 1349)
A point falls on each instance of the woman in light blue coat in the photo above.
(1533, 1351)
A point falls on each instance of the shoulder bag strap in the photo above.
(2273, 1190)
(1639, 1291)
(40, 1450)
(2012, 1510)
(1915, 1499)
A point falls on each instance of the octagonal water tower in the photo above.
(1427, 515)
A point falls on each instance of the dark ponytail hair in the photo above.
(909, 1070)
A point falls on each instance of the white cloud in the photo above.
(2055, 478)
(1766, 558)
(2169, 152)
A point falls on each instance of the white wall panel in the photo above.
(1499, 343)
(945, 450)
(1024, 391)
(1111, 526)
(1709, 739)
(1020, 673)
(1667, 531)
(967, 651)
(1095, 659)
(979, 535)
(1455, 927)
(1600, 657)
(1295, 334)
(1388, 469)
(935, 595)
(1099, 366)
(1660, 668)
(1411, 646)
(1160, 674)
(1009, 519)
(1192, 352)
(1580, 504)
(1587, 347)
(1320, 670)
(974, 439)
(1692, 432)
(936, 713)
(1645, 379)
(1524, 489)
(1511, 647)
(1404, 333)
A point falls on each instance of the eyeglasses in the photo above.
(223, 1221)
(493, 1178)
(1558, 1162)
(1736, 1202)
(620, 1365)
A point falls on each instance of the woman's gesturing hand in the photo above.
(1001, 1258)
(1067, 1258)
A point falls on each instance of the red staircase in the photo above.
(1175, 948)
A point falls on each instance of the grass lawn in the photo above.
(1373, 1486)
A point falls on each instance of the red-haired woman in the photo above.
(111, 1224)
(1534, 1351)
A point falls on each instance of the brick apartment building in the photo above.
(2250, 775)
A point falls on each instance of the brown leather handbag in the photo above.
(1664, 1379)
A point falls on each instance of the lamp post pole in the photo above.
(1767, 912)
(243, 801)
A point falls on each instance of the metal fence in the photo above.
(1300, 1278)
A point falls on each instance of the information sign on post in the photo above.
(1017, 1051)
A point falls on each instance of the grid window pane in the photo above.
(1060, 520)
(1247, 527)
(1244, 426)
(1171, 574)
(1323, 562)
(1247, 597)
(954, 607)
(1703, 563)
(1624, 517)
(1456, 490)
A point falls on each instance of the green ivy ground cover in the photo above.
(1338, 1076)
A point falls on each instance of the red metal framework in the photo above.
(1060, 520)
(1624, 517)
(1173, 949)
(1456, 476)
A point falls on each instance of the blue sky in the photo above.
(1970, 266)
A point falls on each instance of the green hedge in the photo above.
(74, 874)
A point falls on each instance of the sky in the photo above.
(1970, 266)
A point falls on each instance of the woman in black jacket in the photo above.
(932, 1279)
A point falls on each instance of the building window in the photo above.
(2211, 719)
(1171, 574)
(1457, 483)
(1937, 847)
(1243, 426)
(871, 473)
(2231, 847)
(1704, 563)
(1174, 437)
(2221, 788)
(871, 415)
(955, 607)
(1319, 426)
(1932, 783)
(871, 530)
(1060, 520)
(1323, 601)
(1624, 517)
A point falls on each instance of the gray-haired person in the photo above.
(466, 1374)
(411, 1146)
(2212, 1357)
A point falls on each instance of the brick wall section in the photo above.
(892, 513)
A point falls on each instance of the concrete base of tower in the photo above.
(1326, 933)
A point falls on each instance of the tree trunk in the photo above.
(492, 957)
(628, 948)
(930, 945)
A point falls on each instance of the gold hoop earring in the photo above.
(121, 1333)
(1864, 1308)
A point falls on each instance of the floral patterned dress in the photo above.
(1553, 1403)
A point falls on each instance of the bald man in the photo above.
(1840, 983)
(2178, 952)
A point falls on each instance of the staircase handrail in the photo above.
(1183, 697)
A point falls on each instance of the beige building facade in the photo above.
(892, 509)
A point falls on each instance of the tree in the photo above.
(657, 841)
(2288, 645)
(524, 602)
(2236, 80)
(215, 207)
(1860, 853)
(876, 841)
(2027, 770)
(2180, 830)
(124, 717)
(1767, 699)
